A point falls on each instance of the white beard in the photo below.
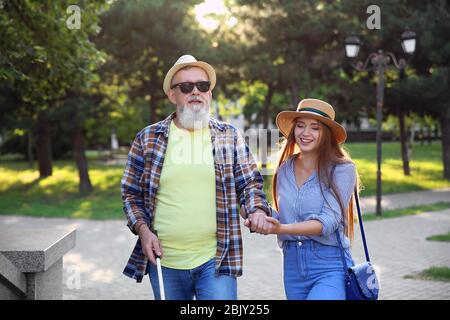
(195, 117)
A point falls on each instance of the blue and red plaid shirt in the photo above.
(238, 182)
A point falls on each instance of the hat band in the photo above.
(316, 111)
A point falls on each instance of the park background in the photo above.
(74, 92)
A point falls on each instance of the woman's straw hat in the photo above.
(314, 109)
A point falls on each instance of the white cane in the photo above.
(160, 278)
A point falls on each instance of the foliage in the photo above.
(107, 76)
(44, 63)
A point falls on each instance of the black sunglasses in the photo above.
(187, 87)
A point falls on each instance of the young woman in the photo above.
(312, 193)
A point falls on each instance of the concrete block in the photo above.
(11, 279)
(35, 262)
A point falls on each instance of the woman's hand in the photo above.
(276, 225)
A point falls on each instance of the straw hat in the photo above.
(184, 61)
(314, 109)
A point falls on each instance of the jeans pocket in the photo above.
(329, 253)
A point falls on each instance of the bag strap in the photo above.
(344, 261)
(361, 226)
(363, 235)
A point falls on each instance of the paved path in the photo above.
(403, 200)
(398, 247)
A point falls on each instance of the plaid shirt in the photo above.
(237, 182)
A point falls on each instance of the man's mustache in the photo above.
(196, 98)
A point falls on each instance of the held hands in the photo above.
(259, 222)
(276, 225)
(150, 244)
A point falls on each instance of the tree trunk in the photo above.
(294, 94)
(412, 135)
(30, 149)
(445, 132)
(404, 142)
(421, 137)
(429, 135)
(80, 159)
(266, 110)
(44, 149)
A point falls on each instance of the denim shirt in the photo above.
(298, 204)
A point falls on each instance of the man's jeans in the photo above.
(201, 282)
(313, 271)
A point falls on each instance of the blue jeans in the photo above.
(313, 271)
(200, 282)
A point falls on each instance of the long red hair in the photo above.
(329, 155)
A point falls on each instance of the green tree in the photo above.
(44, 61)
(143, 39)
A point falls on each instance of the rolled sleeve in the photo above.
(274, 213)
(330, 216)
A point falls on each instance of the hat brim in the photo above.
(285, 121)
(205, 66)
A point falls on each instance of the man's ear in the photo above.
(171, 96)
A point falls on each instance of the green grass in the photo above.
(432, 273)
(407, 211)
(426, 168)
(22, 193)
(440, 237)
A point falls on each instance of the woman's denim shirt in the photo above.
(297, 204)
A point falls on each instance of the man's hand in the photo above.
(257, 222)
(150, 244)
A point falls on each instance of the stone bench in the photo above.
(31, 262)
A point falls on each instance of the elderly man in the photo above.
(185, 180)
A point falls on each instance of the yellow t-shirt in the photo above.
(185, 213)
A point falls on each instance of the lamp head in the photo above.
(352, 45)
(409, 42)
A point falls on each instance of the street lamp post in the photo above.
(380, 61)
